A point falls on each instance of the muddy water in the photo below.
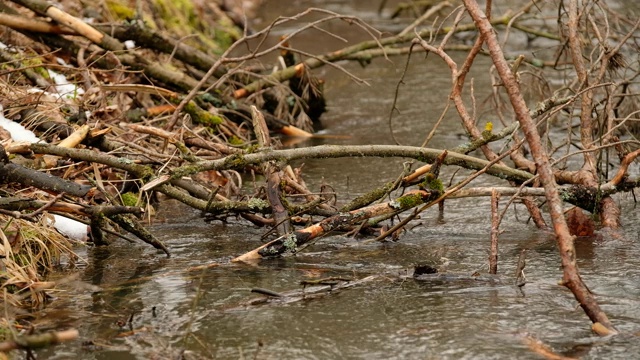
(132, 287)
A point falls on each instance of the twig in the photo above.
(495, 231)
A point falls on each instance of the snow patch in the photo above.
(70, 228)
(64, 88)
(17, 131)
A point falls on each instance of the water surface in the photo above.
(393, 317)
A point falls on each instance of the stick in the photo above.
(495, 230)
(39, 341)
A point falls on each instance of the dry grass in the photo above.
(29, 251)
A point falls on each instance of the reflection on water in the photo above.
(393, 318)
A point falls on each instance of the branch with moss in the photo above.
(341, 221)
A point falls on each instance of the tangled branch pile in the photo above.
(162, 116)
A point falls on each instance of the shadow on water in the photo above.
(188, 302)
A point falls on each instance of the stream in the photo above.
(193, 300)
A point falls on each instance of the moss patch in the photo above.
(120, 9)
(181, 18)
(129, 199)
(431, 183)
(408, 201)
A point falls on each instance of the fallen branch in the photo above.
(571, 276)
(338, 222)
(495, 231)
(39, 341)
(308, 292)
(10, 172)
(239, 161)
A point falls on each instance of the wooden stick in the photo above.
(495, 230)
(39, 341)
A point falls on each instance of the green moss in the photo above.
(236, 141)
(147, 174)
(181, 19)
(185, 170)
(212, 120)
(235, 161)
(33, 62)
(252, 148)
(290, 243)
(257, 204)
(201, 116)
(5, 333)
(431, 183)
(120, 9)
(227, 33)
(407, 201)
(368, 198)
(129, 199)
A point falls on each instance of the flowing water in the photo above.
(177, 303)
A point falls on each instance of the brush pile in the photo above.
(103, 107)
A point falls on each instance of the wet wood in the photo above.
(273, 174)
(521, 279)
(451, 277)
(495, 231)
(38, 341)
(307, 293)
(338, 222)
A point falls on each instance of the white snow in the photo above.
(17, 131)
(70, 228)
(64, 88)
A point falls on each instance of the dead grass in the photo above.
(29, 252)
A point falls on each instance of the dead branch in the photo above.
(307, 293)
(273, 174)
(10, 172)
(571, 276)
(334, 151)
(39, 341)
(341, 221)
